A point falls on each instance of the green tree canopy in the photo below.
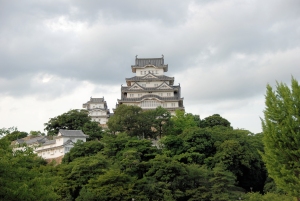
(22, 178)
(125, 119)
(281, 128)
(82, 149)
(215, 120)
(12, 134)
(74, 120)
(135, 122)
(183, 120)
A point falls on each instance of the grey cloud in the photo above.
(205, 35)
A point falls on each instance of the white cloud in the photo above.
(223, 52)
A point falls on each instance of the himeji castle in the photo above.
(150, 88)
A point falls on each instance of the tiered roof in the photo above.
(143, 62)
(95, 100)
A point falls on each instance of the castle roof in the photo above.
(149, 96)
(95, 100)
(143, 62)
(71, 133)
(150, 78)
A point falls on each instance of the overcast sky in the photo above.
(55, 55)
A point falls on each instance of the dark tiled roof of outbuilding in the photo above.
(39, 140)
(50, 142)
(72, 133)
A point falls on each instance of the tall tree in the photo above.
(74, 120)
(183, 120)
(281, 128)
(125, 119)
(214, 120)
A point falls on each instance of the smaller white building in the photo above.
(98, 111)
(52, 149)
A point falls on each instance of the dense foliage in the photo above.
(149, 156)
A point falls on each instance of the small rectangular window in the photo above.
(131, 95)
(141, 72)
(155, 85)
(173, 104)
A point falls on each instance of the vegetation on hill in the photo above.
(151, 155)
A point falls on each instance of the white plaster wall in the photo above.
(145, 71)
(96, 105)
(164, 94)
(54, 153)
(97, 113)
(103, 120)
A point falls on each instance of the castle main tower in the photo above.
(150, 88)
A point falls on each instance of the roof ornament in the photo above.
(162, 56)
(136, 56)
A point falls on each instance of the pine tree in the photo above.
(281, 129)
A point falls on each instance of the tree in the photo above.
(76, 174)
(93, 130)
(82, 149)
(162, 122)
(125, 119)
(183, 120)
(22, 177)
(12, 134)
(113, 185)
(36, 133)
(215, 120)
(5, 131)
(74, 120)
(136, 122)
(281, 128)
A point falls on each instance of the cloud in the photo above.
(220, 51)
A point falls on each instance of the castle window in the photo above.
(150, 104)
(131, 95)
(155, 85)
(141, 72)
(168, 94)
(139, 95)
(173, 104)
